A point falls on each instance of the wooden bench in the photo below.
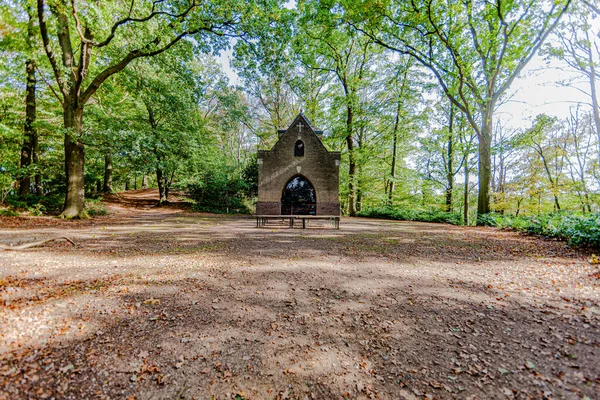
(261, 220)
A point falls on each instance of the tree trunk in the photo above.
(594, 96)
(351, 164)
(587, 200)
(145, 181)
(466, 193)
(74, 162)
(38, 176)
(30, 139)
(108, 174)
(162, 189)
(450, 166)
(556, 203)
(394, 154)
(359, 194)
(485, 161)
(127, 184)
(553, 182)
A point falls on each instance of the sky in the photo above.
(536, 91)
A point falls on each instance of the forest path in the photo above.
(156, 302)
(143, 200)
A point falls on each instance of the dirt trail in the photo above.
(156, 303)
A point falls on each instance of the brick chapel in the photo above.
(298, 176)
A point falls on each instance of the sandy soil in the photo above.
(158, 303)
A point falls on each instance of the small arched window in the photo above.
(299, 149)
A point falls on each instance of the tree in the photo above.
(119, 32)
(544, 139)
(579, 47)
(503, 157)
(577, 146)
(30, 148)
(325, 43)
(403, 89)
(19, 43)
(475, 50)
(168, 126)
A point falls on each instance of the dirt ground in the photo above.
(159, 303)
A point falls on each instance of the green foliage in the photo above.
(95, 207)
(250, 177)
(576, 229)
(411, 214)
(219, 193)
(36, 205)
(7, 212)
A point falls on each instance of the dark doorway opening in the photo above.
(299, 197)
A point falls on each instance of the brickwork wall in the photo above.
(328, 208)
(268, 208)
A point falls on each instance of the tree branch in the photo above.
(132, 55)
(48, 48)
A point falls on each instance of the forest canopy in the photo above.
(100, 97)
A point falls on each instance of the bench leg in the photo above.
(303, 223)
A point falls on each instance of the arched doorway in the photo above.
(299, 197)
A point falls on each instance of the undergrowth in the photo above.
(404, 214)
(95, 207)
(35, 205)
(576, 229)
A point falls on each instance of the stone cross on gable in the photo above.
(300, 125)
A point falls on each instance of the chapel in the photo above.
(298, 176)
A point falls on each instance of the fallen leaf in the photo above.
(529, 364)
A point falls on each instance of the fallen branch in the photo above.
(34, 244)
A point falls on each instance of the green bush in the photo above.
(404, 214)
(17, 203)
(50, 204)
(6, 212)
(576, 229)
(53, 203)
(37, 210)
(219, 193)
(95, 207)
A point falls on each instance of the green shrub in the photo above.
(490, 219)
(219, 193)
(404, 214)
(219, 209)
(17, 203)
(37, 210)
(95, 207)
(6, 212)
(53, 203)
(50, 204)
(576, 229)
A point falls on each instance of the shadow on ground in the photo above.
(195, 307)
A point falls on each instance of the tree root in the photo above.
(34, 244)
